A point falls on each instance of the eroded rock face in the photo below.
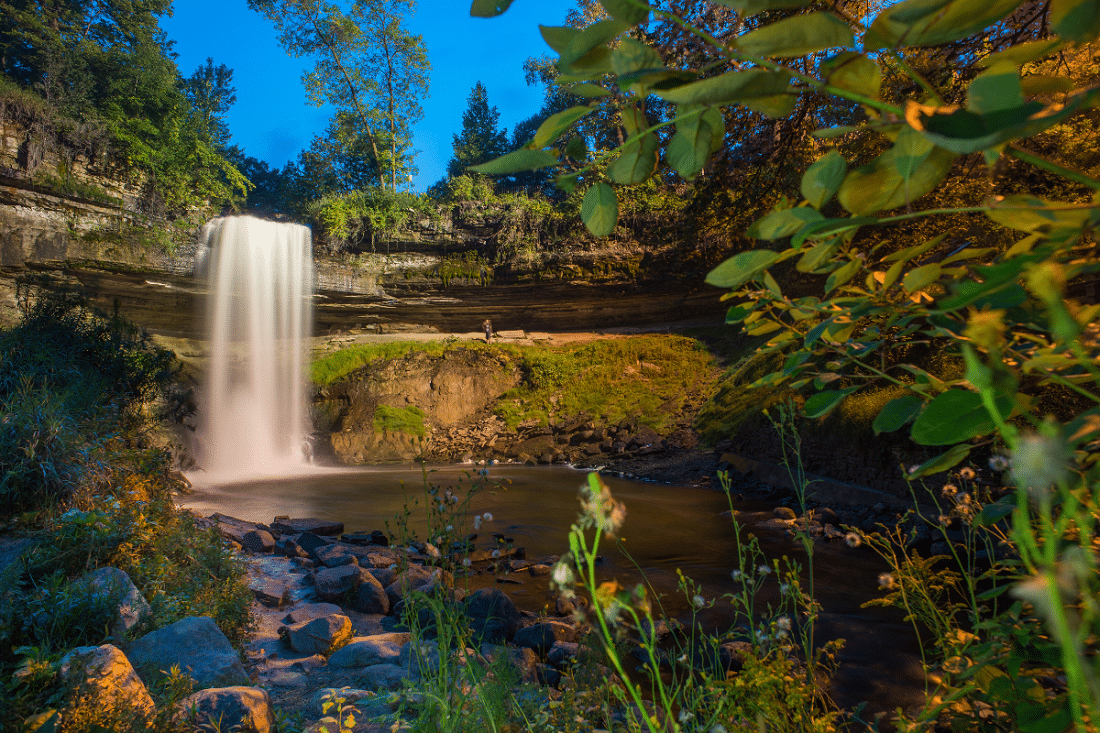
(243, 709)
(197, 646)
(103, 686)
(449, 389)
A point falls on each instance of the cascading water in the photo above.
(253, 419)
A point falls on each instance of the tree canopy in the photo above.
(480, 140)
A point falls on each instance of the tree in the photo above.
(367, 66)
(480, 140)
(210, 91)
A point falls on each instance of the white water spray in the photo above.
(253, 418)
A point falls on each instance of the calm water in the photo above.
(666, 528)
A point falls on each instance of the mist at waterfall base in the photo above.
(252, 415)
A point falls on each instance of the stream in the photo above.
(667, 528)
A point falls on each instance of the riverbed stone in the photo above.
(289, 547)
(562, 653)
(541, 636)
(387, 677)
(370, 596)
(310, 611)
(309, 542)
(130, 606)
(335, 555)
(493, 615)
(270, 592)
(319, 635)
(308, 524)
(521, 659)
(417, 578)
(333, 584)
(197, 646)
(241, 709)
(101, 681)
(366, 651)
(258, 541)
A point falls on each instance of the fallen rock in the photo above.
(370, 596)
(100, 681)
(384, 677)
(310, 611)
(319, 635)
(523, 661)
(367, 651)
(258, 540)
(271, 593)
(310, 524)
(542, 636)
(239, 709)
(197, 646)
(335, 555)
(562, 653)
(333, 584)
(493, 615)
(130, 606)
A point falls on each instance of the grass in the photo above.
(409, 420)
(335, 366)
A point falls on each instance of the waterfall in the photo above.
(253, 419)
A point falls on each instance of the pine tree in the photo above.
(480, 139)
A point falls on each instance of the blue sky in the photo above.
(272, 120)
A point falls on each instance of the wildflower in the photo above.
(563, 574)
(764, 570)
(783, 623)
(466, 562)
(914, 468)
(886, 580)
(784, 588)
(496, 553)
(432, 550)
(454, 499)
(962, 498)
(685, 716)
(477, 522)
(450, 528)
(483, 472)
(737, 575)
(950, 490)
(487, 517)
(717, 728)
(1040, 462)
(999, 463)
(852, 539)
(944, 520)
(698, 601)
(781, 634)
(967, 474)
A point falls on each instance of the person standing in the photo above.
(488, 327)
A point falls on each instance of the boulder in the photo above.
(384, 575)
(270, 592)
(310, 524)
(423, 656)
(542, 636)
(309, 542)
(417, 578)
(333, 584)
(319, 635)
(493, 615)
(335, 555)
(197, 646)
(258, 540)
(311, 611)
(562, 653)
(240, 709)
(384, 677)
(370, 596)
(101, 684)
(784, 512)
(288, 547)
(367, 651)
(522, 661)
(130, 606)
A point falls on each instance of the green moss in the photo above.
(328, 369)
(408, 420)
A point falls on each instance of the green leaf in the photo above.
(996, 89)
(1076, 20)
(589, 91)
(631, 56)
(752, 7)
(558, 37)
(523, 159)
(817, 255)
(952, 457)
(933, 22)
(954, 416)
(1023, 53)
(822, 179)
(591, 37)
(600, 210)
(779, 224)
(776, 107)
(627, 11)
(990, 513)
(797, 36)
(854, 72)
(843, 275)
(921, 277)
(554, 125)
(896, 413)
(823, 403)
(636, 161)
(488, 8)
(880, 185)
(742, 267)
(737, 313)
(1031, 214)
(728, 88)
(828, 133)
(692, 145)
(830, 227)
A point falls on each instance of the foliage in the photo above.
(480, 140)
(334, 366)
(366, 214)
(409, 420)
(371, 70)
